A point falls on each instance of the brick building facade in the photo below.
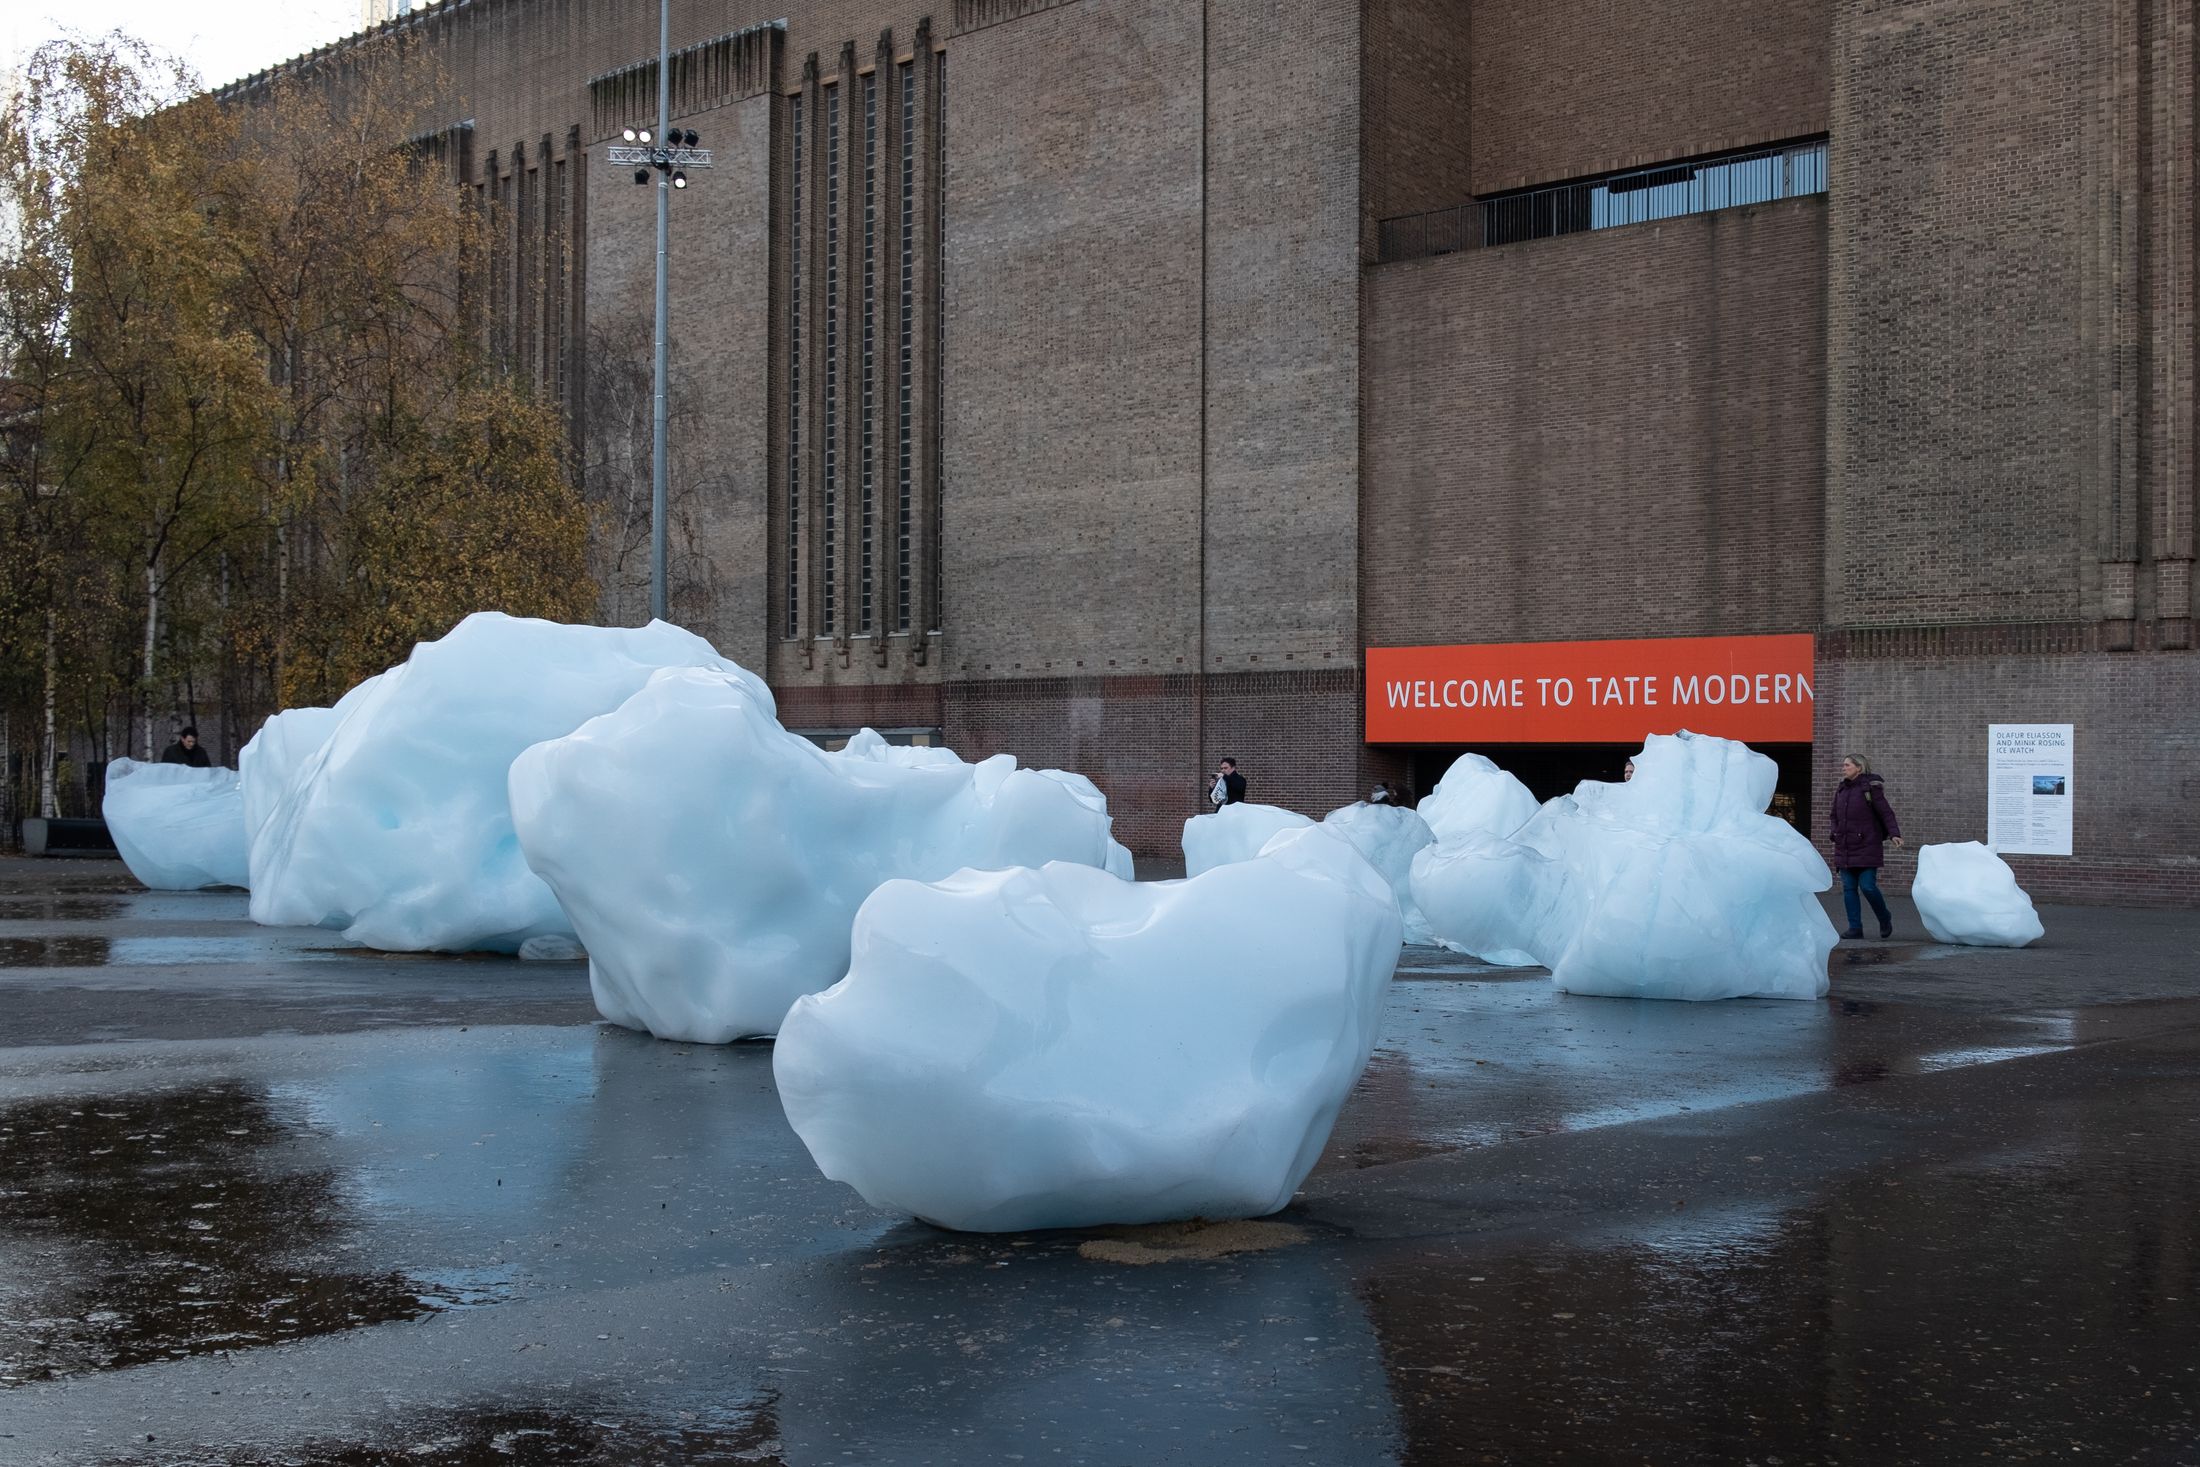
(1098, 379)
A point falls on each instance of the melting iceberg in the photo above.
(1387, 836)
(712, 862)
(1234, 833)
(1673, 885)
(270, 760)
(1474, 802)
(397, 828)
(1475, 797)
(178, 828)
(1058, 1048)
(1965, 893)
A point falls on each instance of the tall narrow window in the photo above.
(523, 273)
(553, 286)
(828, 531)
(868, 531)
(794, 375)
(939, 337)
(905, 482)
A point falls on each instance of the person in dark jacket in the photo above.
(1863, 825)
(186, 750)
(1229, 787)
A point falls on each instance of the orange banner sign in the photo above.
(1757, 689)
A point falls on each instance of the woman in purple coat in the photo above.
(1863, 823)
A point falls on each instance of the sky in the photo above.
(221, 39)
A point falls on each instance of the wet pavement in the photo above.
(265, 1198)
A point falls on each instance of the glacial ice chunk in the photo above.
(1234, 833)
(177, 828)
(271, 759)
(1475, 797)
(1966, 893)
(1673, 885)
(1057, 1048)
(1387, 836)
(712, 863)
(1119, 861)
(1476, 800)
(397, 829)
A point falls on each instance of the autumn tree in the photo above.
(250, 433)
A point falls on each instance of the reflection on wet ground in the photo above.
(53, 952)
(508, 1436)
(168, 1223)
(60, 909)
(2043, 1302)
(1919, 1223)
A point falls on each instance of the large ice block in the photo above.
(397, 829)
(177, 828)
(1474, 801)
(272, 757)
(1965, 893)
(1058, 1048)
(1234, 833)
(712, 862)
(1475, 797)
(1673, 885)
(1387, 836)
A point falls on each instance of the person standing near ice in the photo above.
(1229, 787)
(1863, 825)
(186, 751)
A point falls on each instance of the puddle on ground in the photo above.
(386, 955)
(518, 1436)
(2006, 1308)
(61, 908)
(175, 1223)
(113, 880)
(53, 952)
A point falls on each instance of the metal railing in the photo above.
(1636, 196)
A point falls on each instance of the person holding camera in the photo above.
(1229, 785)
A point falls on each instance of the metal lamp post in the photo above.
(666, 154)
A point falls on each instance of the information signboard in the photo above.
(2029, 788)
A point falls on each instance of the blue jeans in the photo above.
(1865, 878)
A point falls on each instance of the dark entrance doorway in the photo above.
(1550, 770)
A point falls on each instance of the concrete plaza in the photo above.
(265, 1198)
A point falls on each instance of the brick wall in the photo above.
(1614, 434)
(1414, 118)
(1071, 387)
(1282, 333)
(1565, 88)
(1295, 736)
(1960, 441)
(1918, 709)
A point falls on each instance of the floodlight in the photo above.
(679, 180)
(641, 175)
(643, 134)
(629, 134)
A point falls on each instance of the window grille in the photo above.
(829, 506)
(905, 483)
(865, 561)
(794, 373)
(939, 340)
